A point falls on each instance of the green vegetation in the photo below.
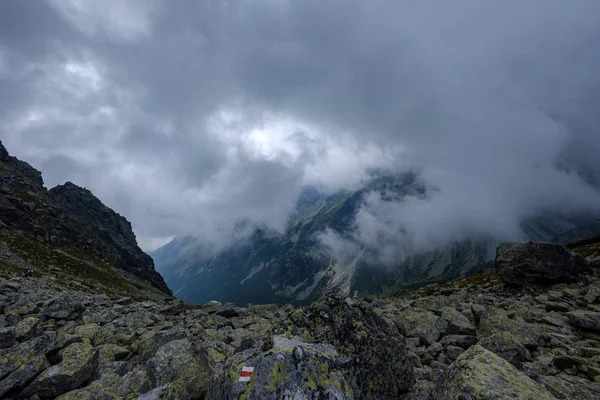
(71, 266)
(587, 248)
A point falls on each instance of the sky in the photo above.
(187, 116)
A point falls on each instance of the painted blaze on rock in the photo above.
(334, 349)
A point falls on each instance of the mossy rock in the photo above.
(585, 319)
(176, 361)
(425, 325)
(292, 368)
(378, 365)
(479, 374)
(21, 354)
(79, 361)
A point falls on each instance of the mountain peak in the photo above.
(68, 220)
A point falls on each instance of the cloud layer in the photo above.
(188, 116)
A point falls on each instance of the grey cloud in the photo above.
(484, 97)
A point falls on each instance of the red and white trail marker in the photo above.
(246, 374)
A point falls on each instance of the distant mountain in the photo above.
(296, 267)
(68, 232)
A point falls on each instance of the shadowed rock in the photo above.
(479, 374)
(538, 263)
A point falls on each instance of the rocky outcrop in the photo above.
(66, 225)
(526, 263)
(110, 235)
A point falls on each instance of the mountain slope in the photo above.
(297, 267)
(69, 232)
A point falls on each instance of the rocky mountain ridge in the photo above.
(67, 227)
(486, 337)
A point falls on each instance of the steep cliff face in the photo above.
(66, 219)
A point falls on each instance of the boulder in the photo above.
(64, 307)
(452, 352)
(176, 307)
(458, 324)
(22, 375)
(497, 322)
(593, 295)
(112, 352)
(211, 307)
(375, 348)
(151, 341)
(175, 363)
(292, 368)
(425, 325)
(26, 328)
(538, 263)
(507, 347)
(585, 319)
(227, 311)
(423, 390)
(7, 337)
(566, 387)
(107, 387)
(78, 363)
(478, 310)
(479, 374)
(22, 353)
(462, 341)
(135, 383)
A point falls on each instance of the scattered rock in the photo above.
(585, 319)
(479, 374)
(453, 352)
(477, 310)
(22, 353)
(64, 307)
(227, 311)
(150, 342)
(79, 361)
(458, 324)
(373, 348)
(291, 367)
(507, 347)
(19, 377)
(462, 341)
(175, 363)
(425, 325)
(175, 308)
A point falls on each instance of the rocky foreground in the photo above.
(497, 335)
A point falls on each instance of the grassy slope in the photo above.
(72, 269)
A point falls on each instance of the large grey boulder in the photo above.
(64, 307)
(22, 353)
(345, 348)
(479, 374)
(79, 361)
(19, 377)
(151, 341)
(292, 368)
(175, 363)
(534, 262)
(458, 324)
(422, 324)
(585, 319)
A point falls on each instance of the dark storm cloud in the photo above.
(185, 115)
